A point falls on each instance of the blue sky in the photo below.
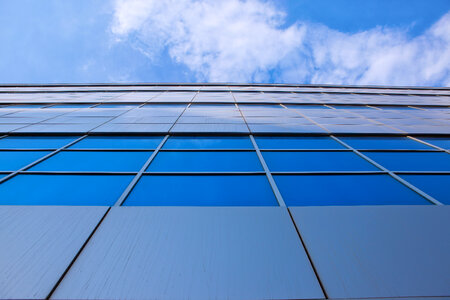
(390, 42)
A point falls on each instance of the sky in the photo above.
(370, 42)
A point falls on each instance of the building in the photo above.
(224, 191)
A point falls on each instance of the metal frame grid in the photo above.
(259, 152)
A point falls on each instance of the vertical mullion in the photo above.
(138, 176)
(41, 159)
(186, 107)
(268, 174)
(392, 174)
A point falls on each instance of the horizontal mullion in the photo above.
(77, 173)
(327, 172)
(28, 149)
(207, 150)
(422, 172)
(206, 173)
(400, 150)
(305, 150)
(108, 150)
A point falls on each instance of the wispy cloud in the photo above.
(247, 41)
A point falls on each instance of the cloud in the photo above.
(248, 41)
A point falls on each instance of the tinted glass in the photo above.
(316, 161)
(318, 190)
(14, 160)
(440, 142)
(412, 161)
(199, 190)
(119, 142)
(63, 189)
(179, 142)
(297, 143)
(437, 186)
(113, 161)
(35, 142)
(217, 161)
(383, 143)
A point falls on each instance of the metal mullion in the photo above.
(136, 178)
(205, 173)
(41, 159)
(207, 150)
(28, 149)
(147, 101)
(305, 150)
(108, 150)
(327, 172)
(185, 108)
(428, 144)
(240, 111)
(391, 173)
(374, 121)
(113, 118)
(399, 150)
(423, 172)
(272, 183)
(307, 118)
(78, 172)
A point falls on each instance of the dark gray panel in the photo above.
(195, 253)
(37, 243)
(378, 251)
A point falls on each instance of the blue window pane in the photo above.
(63, 189)
(14, 160)
(320, 190)
(316, 161)
(178, 142)
(113, 161)
(412, 161)
(440, 142)
(119, 142)
(35, 142)
(383, 143)
(201, 190)
(437, 186)
(297, 143)
(217, 161)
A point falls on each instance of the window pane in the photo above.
(35, 142)
(297, 143)
(63, 189)
(318, 190)
(217, 161)
(201, 190)
(440, 142)
(113, 161)
(316, 161)
(412, 161)
(382, 143)
(178, 142)
(437, 186)
(119, 142)
(14, 160)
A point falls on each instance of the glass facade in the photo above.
(206, 170)
(226, 145)
(224, 191)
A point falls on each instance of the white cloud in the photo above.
(247, 41)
